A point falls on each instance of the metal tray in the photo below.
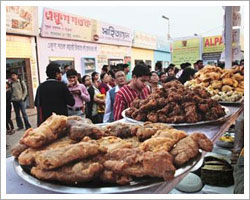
(137, 185)
(221, 119)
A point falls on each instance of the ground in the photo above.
(11, 140)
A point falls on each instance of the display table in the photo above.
(16, 185)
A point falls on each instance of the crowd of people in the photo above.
(100, 97)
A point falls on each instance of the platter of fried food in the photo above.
(72, 155)
(177, 105)
(224, 85)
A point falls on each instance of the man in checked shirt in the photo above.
(136, 88)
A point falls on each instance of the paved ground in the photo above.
(11, 140)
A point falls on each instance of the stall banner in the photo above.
(113, 34)
(22, 20)
(57, 24)
(213, 44)
(145, 41)
(187, 50)
(162, 44)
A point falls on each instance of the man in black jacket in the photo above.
(52, 95)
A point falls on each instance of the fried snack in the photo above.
(156, 144)
(174, 134)
(18, 149)
(108, 176)
(188, 148)
(134, 141)
(47, 132)
(238, 77)
(50, 159)
(227, 81)
(78, 130)
(226, 88)
(27, 157)
(113, 143)
(214, 75)
(137, 163)
(216, 84)
(80, 172)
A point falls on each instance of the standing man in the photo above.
(120, 80)
(136, 88)
(52, 95)
(199, 65)
(79, 93)
(64, 77)
(19, 94)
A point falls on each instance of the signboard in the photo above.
(186, 51)
(113, 34)
(57, 24)
(21, 20)
(144, 41)
(162, 45)
(213, 44)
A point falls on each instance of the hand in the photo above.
(77, 92)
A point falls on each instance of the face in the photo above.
(154, 78)
(200, 65)
(171, 72)
(163, 78)
(14, 77)
(120, 78)
(106, 78)
(97, 77)
(126, 70)
(67, 69)
(87, 81)
(72, 79)
(141, 81)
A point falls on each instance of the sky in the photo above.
(184, 21)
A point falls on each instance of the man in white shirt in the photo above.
(120, 79)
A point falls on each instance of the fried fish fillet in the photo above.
(18, 149)
(108, 176)
(27, 156)
(50, 159)
(157, 144)
(48, 131)
(79, 172)
(135, 162)
(171, 133)
(188, 147)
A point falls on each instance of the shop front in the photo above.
(21, 27)
(162, 53)
(82, 56)
(143, 47)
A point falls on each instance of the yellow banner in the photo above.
(186, 51)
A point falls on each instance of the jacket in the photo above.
(19, 90)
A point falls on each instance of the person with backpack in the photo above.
(19, 95)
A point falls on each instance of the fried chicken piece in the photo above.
(156, 144)
(113, 143)
(78, 130)
(161, 102)
(130, 111)
(174, 134)
(152, 117)
(188, 147)
(190, 112)
(176, 110)
(165, 110)
(140, 116)
(175, 119)
(47, 132)
(27, 156)
(80, 172)
(135, 103)
(150, 105)
(203, 107)
(162, 117)
(137, 163)
(18, 149)
(146, 131)
(50, 159)
(108, 176)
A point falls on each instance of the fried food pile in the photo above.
(175, 103)
(117, 153)
(225, 85)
